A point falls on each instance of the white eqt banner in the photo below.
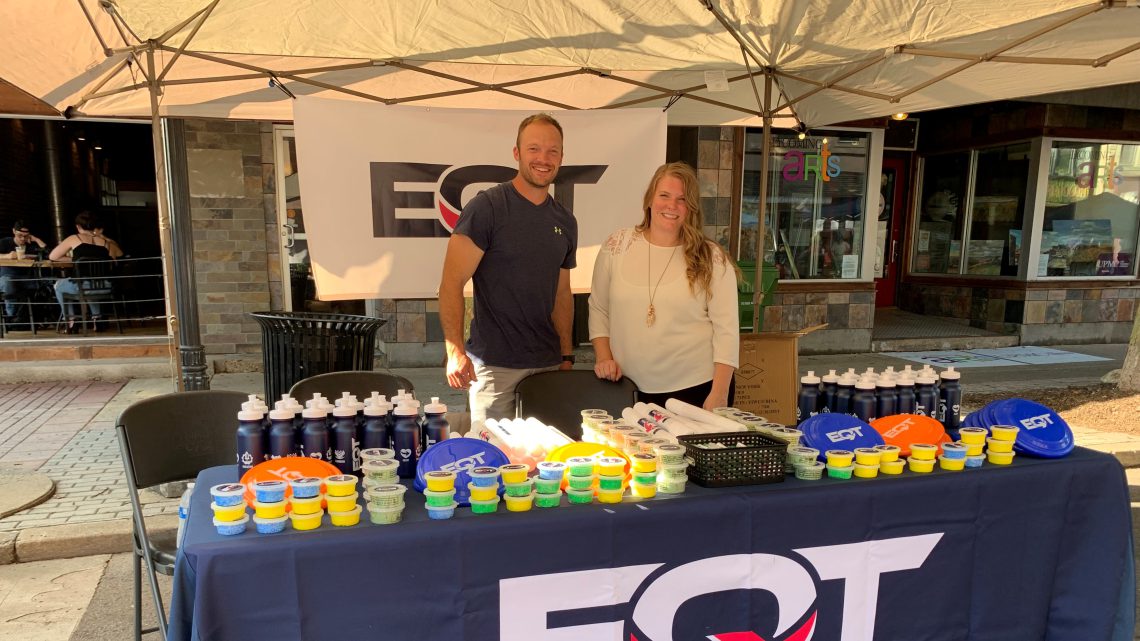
(382, 186)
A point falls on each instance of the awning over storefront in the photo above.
(831, 61)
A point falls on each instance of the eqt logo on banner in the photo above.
(423, 200)
(679, 603)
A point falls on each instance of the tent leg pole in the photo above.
(762, 206)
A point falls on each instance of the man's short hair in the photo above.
(539, 117)
(20, 226)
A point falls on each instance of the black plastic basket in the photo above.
(760, 461)
(297, 345)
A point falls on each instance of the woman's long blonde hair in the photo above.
(700, 252)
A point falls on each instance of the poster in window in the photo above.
(984, 257)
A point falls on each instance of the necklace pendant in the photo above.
(651, 316)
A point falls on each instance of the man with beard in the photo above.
(518, 245)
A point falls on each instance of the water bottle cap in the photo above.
(951, 375)
(885, 381)
(810, 379)
(870, 372)
(281, 412)
(831, 377)
(904, 380)
(314, 412)
(376, 397)
(348, 409)
(925, 378)
(406, 409)
(249, 413)
(851, 371)
(849, 379)
(890, 369)
(865, 383)
(435, 407)
(377, 408)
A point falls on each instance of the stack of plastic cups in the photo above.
(644, 468)
(974, 438)
(484, 490)
(269, 506)
(439, 496)
(547, 485)
(840, 463)
(591, 432)
(580, 479)
(386, 503)
(611, 479)
(672, 468)
(867, 462)
(305, 511)
(805, 462)
(999, 446)
(787, 435)
(953, 457)
(340, 497)
(633, 441)
(229, 508)
(889, 462)
(605, 430)
(618, 435)
(649, 445)
(922, 457)
(379, 471)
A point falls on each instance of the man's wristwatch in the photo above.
(568, 358)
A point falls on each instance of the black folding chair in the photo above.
(95, 286)
(557, 398)
(163, 439)
(360, 384)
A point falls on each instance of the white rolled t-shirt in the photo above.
(691, 332)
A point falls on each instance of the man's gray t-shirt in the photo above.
(524, 247)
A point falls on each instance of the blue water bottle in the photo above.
(250, 438)
(346, 444)
(406, 439)
(282, 438)
(315, 441)
(843, 393)
(905, 394)
(377, 431)
(808, 403)
(828, 392)
(950, 401)
(863, 403)
(886, 397)
(435, 428)
(925, 400)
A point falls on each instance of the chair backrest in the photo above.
(175, 436)
(92, 268)
(557, 398)
(360, 384)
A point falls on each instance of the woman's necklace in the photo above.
(651, 315)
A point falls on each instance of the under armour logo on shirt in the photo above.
(558, 230)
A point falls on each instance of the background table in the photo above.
(1038, 550)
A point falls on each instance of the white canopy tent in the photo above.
(772, 62)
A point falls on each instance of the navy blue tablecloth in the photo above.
(1040, 550)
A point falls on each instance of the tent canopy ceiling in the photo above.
(831, 61)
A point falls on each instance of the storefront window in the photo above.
(1000, 182)
(941, 214)
(816, 196)
(1091, 210)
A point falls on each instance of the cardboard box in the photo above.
(767, 381)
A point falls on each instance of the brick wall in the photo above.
(236, 252)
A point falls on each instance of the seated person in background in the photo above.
(87, 244)
(18, 282)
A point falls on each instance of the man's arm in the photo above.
(463, 257)
(563, 316)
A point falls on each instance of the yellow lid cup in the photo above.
(228, 513)
(520, 503)
(514, 473)
(951, 464)
(341, 503)
(644, 462)
(345, 519)
(892, 467)
(998, 445)
(839, 458)
(973, 435)
(888, 454)
(999, 458)
(974, 449)
(483, 493)
(340, 485)
(867, 456)
(440, 481)
(610, 496)
(306, 521)
(924, 452)
(611, 466)
(919, 465)
(643, 491)
(269, 510)
(865, 471)
(1004, 432)
(306, 506)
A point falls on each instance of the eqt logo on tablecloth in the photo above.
(525, 602)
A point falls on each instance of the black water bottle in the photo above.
(250, 438)
(377, 430)
(808, 402)
(435, 427)
(346, 444)
(950, 402)
(906, 397)
(282, 438)
(828, 393)
(406, 439)
(843, 393)
(925, 400)
(863, 404)
(886, 398)
(315, 433)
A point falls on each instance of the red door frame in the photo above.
(887, 285)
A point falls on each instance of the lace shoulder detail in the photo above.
(619, 241)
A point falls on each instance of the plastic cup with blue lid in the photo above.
(231, 528)
(306, 487)
(441, 512)
(270, 525)
(954, 451)
(228, 494)
(377, 454)
(551, 470)
(270, 491)
(484, 476)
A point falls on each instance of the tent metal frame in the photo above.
(177, 280)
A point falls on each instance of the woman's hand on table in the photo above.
(716, 399)
(608, 370)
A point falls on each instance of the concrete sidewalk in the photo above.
(65, 432)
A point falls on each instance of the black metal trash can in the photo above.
(297, 345)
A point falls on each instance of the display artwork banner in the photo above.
(383, 186)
